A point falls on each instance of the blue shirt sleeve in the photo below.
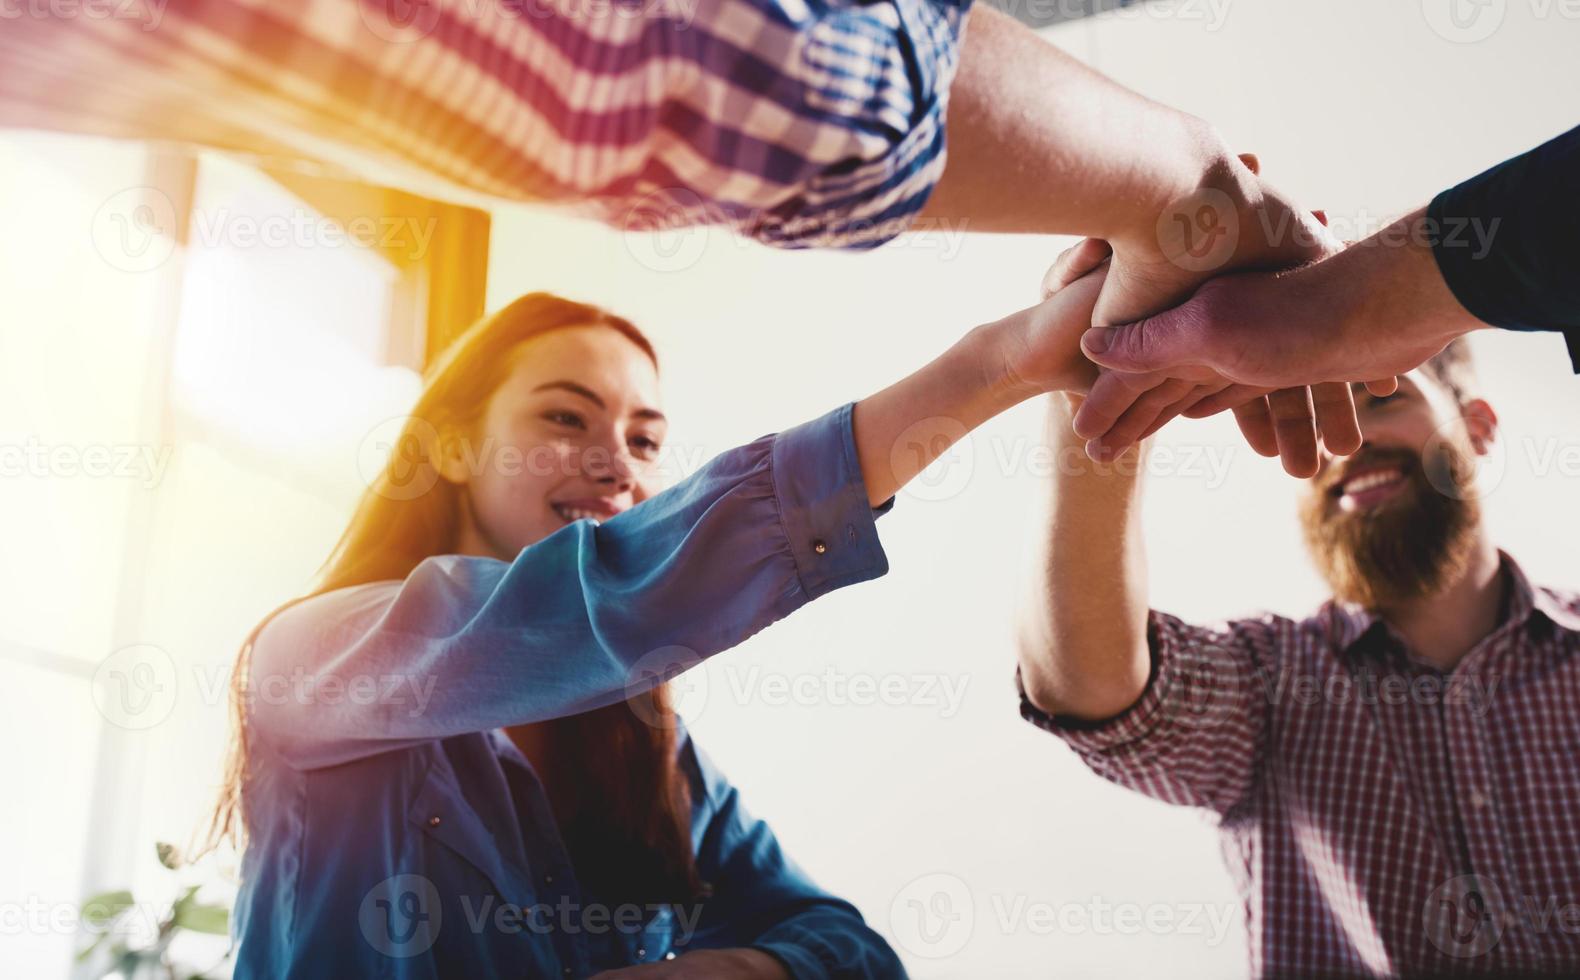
(587, 617)
(763, 901)
(1508, 241)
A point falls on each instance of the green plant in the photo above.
(116, 949)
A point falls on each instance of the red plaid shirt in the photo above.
(1380, 817)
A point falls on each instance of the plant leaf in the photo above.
(106, 907)
(206, 917)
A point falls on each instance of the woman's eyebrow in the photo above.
(592, 396)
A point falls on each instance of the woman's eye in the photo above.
(645, 445)
(570, 419)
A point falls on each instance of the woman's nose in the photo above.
(609, 462)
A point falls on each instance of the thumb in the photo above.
(1156, 343)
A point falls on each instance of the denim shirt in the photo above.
(394, 828)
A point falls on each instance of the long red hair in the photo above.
(630, 839)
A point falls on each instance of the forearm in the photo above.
(908, 425)
(1083, 636)
(1040, 143)
(1391, 281)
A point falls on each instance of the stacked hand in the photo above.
(1249, 342)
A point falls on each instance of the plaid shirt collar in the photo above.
(1358, 631)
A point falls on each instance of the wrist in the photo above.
(1204, 164)
(1390, 293)
(991, 360)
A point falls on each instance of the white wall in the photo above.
(1356, 106)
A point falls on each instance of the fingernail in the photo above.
(1097, 339)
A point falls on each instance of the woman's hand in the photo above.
(1041, 345)
(706, 964)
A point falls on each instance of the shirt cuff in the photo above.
(831, 528)
(800, 962)
(1135, 724)
(1504, 241)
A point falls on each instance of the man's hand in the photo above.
(706, 964)
(1132, 406)
(1375, 310)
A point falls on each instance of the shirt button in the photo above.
(1478, 799)
(820, 546)
(669, 955)
(434, 821)
(548, 879)
(641, 952)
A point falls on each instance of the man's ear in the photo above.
(1481, 424)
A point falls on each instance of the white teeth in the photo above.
(1370, 481)
(574, 514)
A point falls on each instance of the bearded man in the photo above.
(1396, 778)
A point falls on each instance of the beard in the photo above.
(1409, 546)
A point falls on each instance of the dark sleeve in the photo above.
(1508, 241)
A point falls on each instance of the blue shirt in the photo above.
(396, 831)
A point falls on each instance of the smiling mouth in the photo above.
(570, 513)
(1369, 489)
